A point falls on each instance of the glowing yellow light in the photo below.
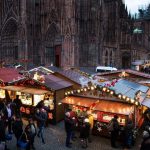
(85, 89)
(128, 99)
(123, 96)
(81, 89)
(119, 95)
(111, 92)
(92, 88)
(78, 91)
(136, 103)
(104, 89)
(108, 90)
(68, 92)
(132, 100)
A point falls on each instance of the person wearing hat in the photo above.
(69, 123)
(84, 132)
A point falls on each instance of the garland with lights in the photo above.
(105, 90)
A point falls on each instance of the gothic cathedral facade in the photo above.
(66, 33)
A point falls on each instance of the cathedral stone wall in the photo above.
(66, 33)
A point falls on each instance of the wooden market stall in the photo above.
(103, 111)
(32, 91)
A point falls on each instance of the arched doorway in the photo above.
(9, 40)
(53, 46)
(126, 60)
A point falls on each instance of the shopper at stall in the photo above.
(8, 114)
(114, 131)
(128, 134)
(74, 117)
(145, 145)
(2, 132)
(30, 130)
(91, 121)
(17, 128)
(41, 117)
(2, 129)
(69, 123)
(84, 133)
(18, 105)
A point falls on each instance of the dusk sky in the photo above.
(133, 5)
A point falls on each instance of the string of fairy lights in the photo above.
(105, 90)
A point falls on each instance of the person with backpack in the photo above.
(113, 127)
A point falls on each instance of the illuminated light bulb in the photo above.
(85, 89)
(78, 91)
(81, 89)
(132, 100)
(71, 92)
(92, 88)
(88, 88)
(119, 95)
(108, 90)
(68, 92)
(136, 103)
(128, 99)
(95, 86)
(123, 96)
(111, 92)
(104, 89)
(59, 103)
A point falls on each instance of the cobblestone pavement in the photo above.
(55, 140)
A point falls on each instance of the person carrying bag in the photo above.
(23, 141)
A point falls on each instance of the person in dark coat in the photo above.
(69, 123)
(17, 127)
(145, 145)
(31, 133)
(18, 105)
(114, 131)
(41, 117)
(85, 132)
(2, 129)
(128, 134)
(2, 132)
(8, 114)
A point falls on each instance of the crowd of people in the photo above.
(11, 123)
(83, 123)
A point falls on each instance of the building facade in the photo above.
(66, 33)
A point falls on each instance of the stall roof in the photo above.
(129, 71)
(146, 102)
(25, 89)
(114, 107)
(80, 101)
(129, 88)
(56, 83)
(35, 91)
(73, 75)
(13, 88)
(9, 74)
